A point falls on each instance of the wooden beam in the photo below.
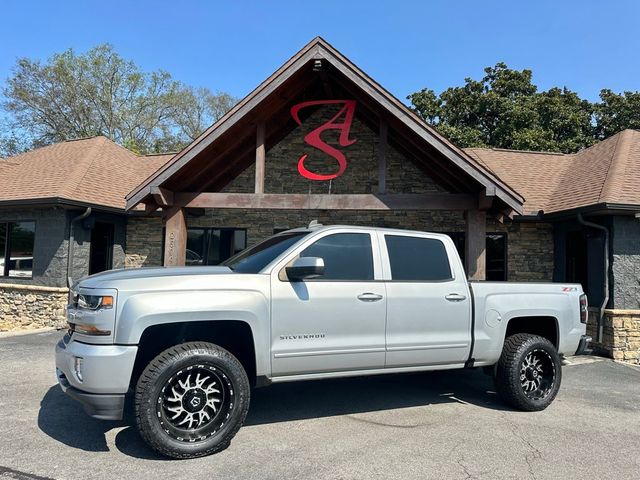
(260, 158)
(162, 196)
(485, 198)
(476, 244)
(382, 156)
(175, 240)
(408, 201)
(150, 207)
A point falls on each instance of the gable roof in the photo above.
(319, 49)
(605, 173)
(91, 171)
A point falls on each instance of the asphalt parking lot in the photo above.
(437, 425)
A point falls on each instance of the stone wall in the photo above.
(144, 242)
(50, 244)
(529, 250)
(621, 334)
(260, 224)
(29, 306)
(360, 176)
(625, 264)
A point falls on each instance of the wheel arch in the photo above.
(546, 326)
(235, 336)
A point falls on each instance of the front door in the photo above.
(101, 251)
(428, 301)
(337, 321)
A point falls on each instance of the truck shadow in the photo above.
(325, 398)
(64, 420)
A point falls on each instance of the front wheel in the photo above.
(528, 373)
(191, 400)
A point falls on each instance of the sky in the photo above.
(232, 46)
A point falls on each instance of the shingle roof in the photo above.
(93, 171)
(607, 172)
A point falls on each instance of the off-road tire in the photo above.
(509, 372)
(170, 364)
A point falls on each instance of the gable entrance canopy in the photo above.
(196, 176)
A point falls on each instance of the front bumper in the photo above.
(103, 379)
(584, 347)
(100, 406)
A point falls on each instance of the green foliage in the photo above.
(505, 110)
(616, 112)
(100, 93)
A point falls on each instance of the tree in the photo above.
(100, 93)
(615, 112)
(504, 109)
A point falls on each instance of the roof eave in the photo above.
(59, 201)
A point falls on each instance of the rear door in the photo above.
(428, 301)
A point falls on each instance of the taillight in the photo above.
(583, 308)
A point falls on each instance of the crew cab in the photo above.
(308, 303)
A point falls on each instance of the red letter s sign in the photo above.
(313, 137)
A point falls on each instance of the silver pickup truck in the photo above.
(309, 303)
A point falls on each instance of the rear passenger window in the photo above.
(417, 259)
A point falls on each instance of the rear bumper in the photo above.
(584, 347)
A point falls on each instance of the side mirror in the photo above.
(305, 267)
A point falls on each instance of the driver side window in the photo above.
(347, 256)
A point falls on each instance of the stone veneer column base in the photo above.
(621, 334)
(30, 306)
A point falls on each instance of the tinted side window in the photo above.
(347, 256)
(418, 259)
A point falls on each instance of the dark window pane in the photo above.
(239, 241)
(418, 259)
(195, 246)
(496, 257)
(347, 256)
(22, 235)
(224, 243)
(3, 247)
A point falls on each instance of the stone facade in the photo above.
(144, 242)
(360, 176)
(50, 245)
(30, 306)
(529, 250)
(621, 334)
(625, 263)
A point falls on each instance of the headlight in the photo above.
(94, 302)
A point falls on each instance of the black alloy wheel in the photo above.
(191, 400)
(529, 372)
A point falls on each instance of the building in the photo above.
(62, 214)
(319, 139)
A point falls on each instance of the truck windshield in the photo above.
(254, 259)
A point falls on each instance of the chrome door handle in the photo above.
(455, 297)
(369, 297)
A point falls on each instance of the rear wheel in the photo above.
(529, 372)
(191, 400)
